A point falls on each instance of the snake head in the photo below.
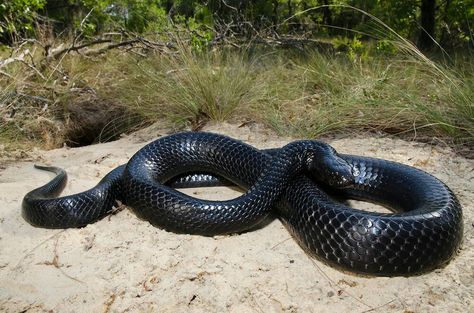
(329, 168)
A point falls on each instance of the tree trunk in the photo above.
(327, 18)
(275, 12)
(427, 35)
(445, 30)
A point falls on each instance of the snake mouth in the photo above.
(341, 179)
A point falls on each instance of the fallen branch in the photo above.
(55, 53)
(112, 46)
(20, 58)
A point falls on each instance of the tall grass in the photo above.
(305, 95)
(390, 94)
(212, 86)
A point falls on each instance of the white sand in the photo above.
(123, 264)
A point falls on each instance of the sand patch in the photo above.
(123, 264)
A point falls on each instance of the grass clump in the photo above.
(395, 95)
(189, 87)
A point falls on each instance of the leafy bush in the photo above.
(16, 18)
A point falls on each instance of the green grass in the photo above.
(389, 94)
(301, 95)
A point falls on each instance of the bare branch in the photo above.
(112, 46)
(21, 57)
(55, 54)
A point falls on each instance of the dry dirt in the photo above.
(123, 264)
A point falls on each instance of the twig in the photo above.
(85, 18)
(281, 242)
(24, 95)
(34, 69)
(6, 74)
(109, 302)
(229, 6)
(36, 247)
(380, 306)
(136, 52)
(112, 46)
(55, 262)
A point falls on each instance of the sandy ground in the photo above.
(123, 264)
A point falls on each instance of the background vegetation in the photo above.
(80, 71)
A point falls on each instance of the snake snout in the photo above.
(340, 174)
(333, 171)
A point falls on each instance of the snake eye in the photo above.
(334, 171)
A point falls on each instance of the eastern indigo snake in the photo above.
(423, 232)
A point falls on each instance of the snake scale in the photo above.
(296, 182)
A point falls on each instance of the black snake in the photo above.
(423, 233)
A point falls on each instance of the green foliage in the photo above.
(136, 15)
(200, 37)
(457, 22)
(93, 16)
(16, 18)
(402, 16)
(386, 47)
(453, 19)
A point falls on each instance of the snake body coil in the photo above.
(423, 233)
